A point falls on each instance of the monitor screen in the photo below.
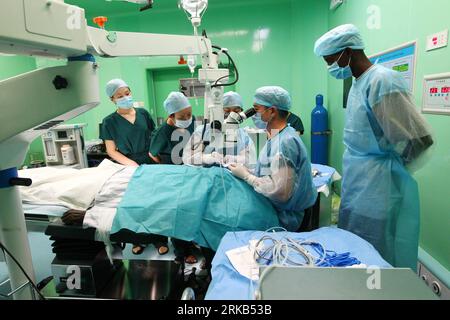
(62, 134)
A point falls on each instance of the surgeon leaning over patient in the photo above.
(201, 151)
(384, 136)
(283, 170)
(127, 130)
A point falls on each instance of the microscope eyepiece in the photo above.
(250, 113)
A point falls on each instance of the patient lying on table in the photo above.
(106, 202)
(74, 192)
(153, 200)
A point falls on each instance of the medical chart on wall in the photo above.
(401, 59)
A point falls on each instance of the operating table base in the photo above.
(133, 280)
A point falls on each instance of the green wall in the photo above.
(165, 81)
(225, 29)
(403, 21)
(308, 22)
(11, 66)
(258, 59)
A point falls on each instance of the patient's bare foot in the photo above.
(73, 217)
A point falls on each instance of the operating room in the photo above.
(224, 150)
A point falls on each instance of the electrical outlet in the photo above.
(433, 283)
(438, 40)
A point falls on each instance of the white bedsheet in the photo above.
(67, 187)
(102, 214)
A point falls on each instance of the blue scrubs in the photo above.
(290, 147)
(380, 199)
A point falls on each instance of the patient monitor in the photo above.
(34, 102)
(64, 146)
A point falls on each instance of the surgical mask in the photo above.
(259, 123)
(125, 102)
(338, 72)
(183, 124)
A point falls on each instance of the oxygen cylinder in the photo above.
(319, 133)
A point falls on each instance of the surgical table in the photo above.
(99, 279)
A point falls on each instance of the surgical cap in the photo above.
(175, 102)
(339, 39)
(114, 85)
(273, 97)
(232, 99)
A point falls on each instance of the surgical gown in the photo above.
(284, 175)
(244, 150)
(383, 133)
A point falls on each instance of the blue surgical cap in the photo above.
(273, 97)
(339, 39)
(232, 99)
(114, 85)
(175, 102)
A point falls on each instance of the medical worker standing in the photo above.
(384, 135)
(283, 170)
(126, 132)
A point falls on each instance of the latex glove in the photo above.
(217, 156)
(228, 159)
(213, 158)
(240, 171)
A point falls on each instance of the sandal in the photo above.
(188, 255)
(190, 259)
(162, 248)
(137, 249)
